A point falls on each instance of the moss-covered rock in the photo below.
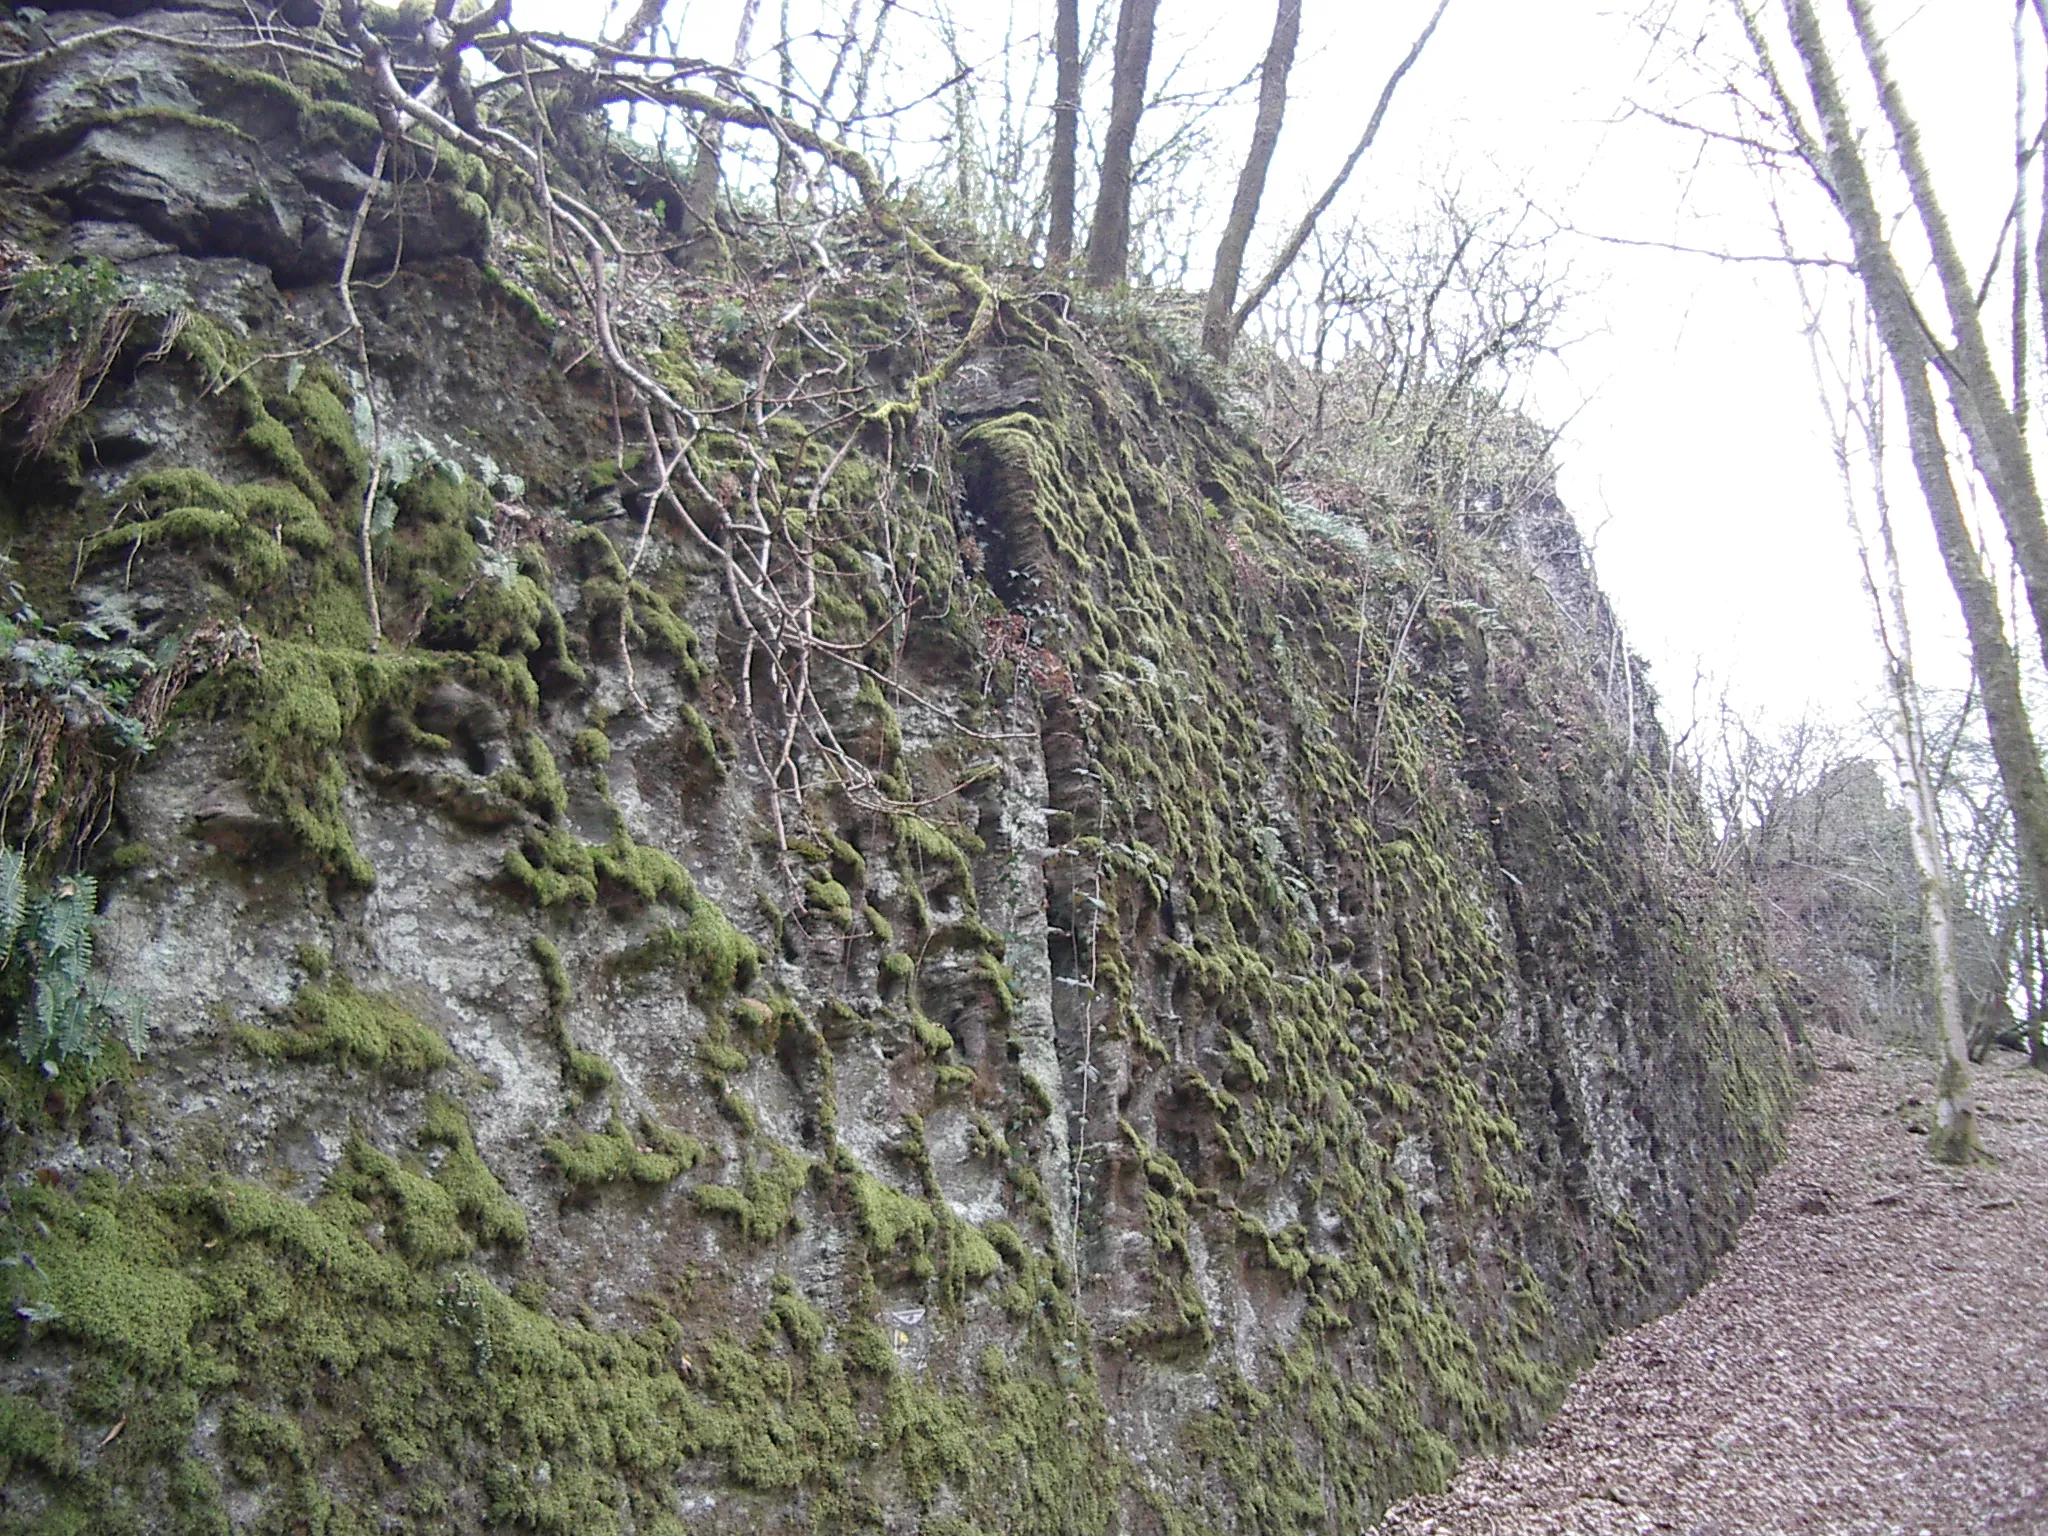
(1203, 1021)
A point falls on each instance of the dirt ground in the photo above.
(1872, 1359)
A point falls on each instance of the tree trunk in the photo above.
(1109, 238)
(1891, 304)
(1998, 448)
(1307, 226)
(1953, 1136)
(1066, 134)
(1219, 331)
(700, 201)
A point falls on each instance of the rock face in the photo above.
(1168, 1011)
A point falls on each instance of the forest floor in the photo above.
(1872, 1359)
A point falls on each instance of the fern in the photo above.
(63, 1013)
(13, 901)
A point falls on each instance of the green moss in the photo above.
(721, 1059)
(478, 1197)
(309, 1341)
(1222, 803)
(656, 1155)
(592, 747)
(519, 297)
(715, 956)
(555, 867)
(882, 929)
(830, 899)
(936, 1040)
(845, 857)
(935, 854)
(764, 1204)
(110, 1279)
(896, 1225)
(158, 115)
(298, 708)
(538, 781)
(585, 1071)
(554, 973)
(32, 1439)
(421, 1214)
(257, 527)
(131, 856)
(259, 1443)
(338, 1024)
(803, 1323)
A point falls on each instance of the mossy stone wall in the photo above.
(1265, 1027)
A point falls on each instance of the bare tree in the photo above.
(1991, 425)
(1109, 238)
(1300, 237)
(1836, 159)
(1219, 331)
(1066, 134)
(1394, 360)
(1859, 429)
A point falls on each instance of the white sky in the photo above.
(1696, 458)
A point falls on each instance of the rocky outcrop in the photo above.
(1209, 1017)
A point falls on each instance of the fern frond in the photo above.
(13, 900)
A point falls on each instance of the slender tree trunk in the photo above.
(1109, 238)
(1307, 226)
(700, 202)
(1219, 330)
(1066, 134)
(1998, 448)
(1953, 1136)
(2022, 271)
(1992, 657)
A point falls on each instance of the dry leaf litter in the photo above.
(1872, 1359)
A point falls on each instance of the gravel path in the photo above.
(1871, 1361)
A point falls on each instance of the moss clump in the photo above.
(226, 364)
(421, 1214)
(627, 611)
(557, 867)
(336, 1023)
(830, 899)
(313, 405)
(586, 1071)
(592, 747)
(474, 1189)
(936, 1040)
(258, 527)
(33, 1439)
(298, 704)
(537, 782)
(715, 956)
(897, 1226)
(936, 854)
(765, 1202)
(656, 1155)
